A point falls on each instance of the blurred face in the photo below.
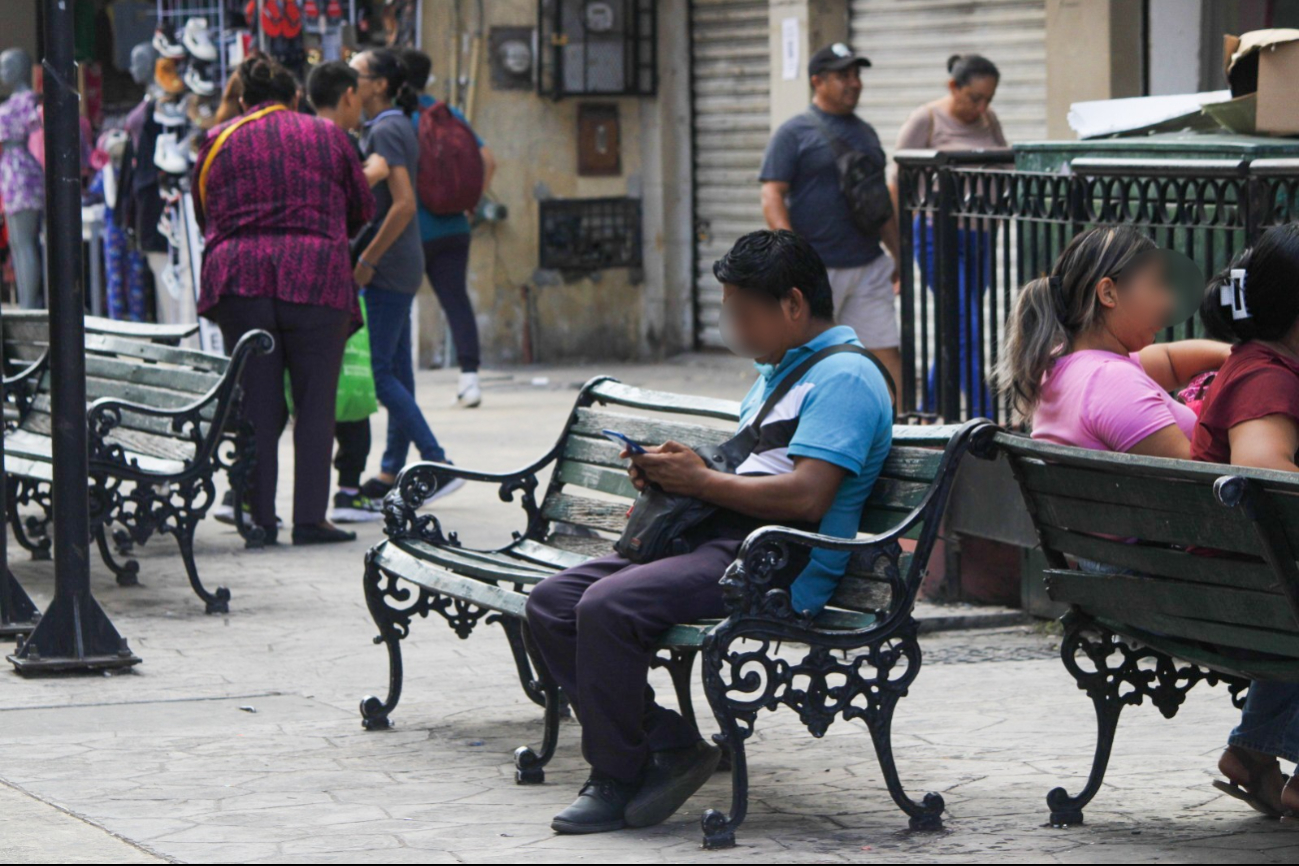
(1138, 304)
(347, 113)
(970, 103)
(369, 89)
(838, 92)
(759, 327)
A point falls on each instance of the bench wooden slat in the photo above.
(179, 379)
(38, 421)
(33, 446)
(544, 554)
(649, 431)
(392, 558)
(157, 353)
(664, 401)
(1228, 532)
(1163, 561)
(1134, 596)
(612, 481)
(581, 511)
(1234, 664)
(461, 562)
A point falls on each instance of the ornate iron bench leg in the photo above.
(882, 693)
(529, 767)
(31, 533)
(518, 649)
(394, 625)
(128, 572)
(718, 827)
(216, 602)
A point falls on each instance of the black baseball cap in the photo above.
(833, 58)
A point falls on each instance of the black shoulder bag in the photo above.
(659, 522)
(861, 180)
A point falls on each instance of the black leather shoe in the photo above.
(598, 809)
(320, 533)
(671, 777)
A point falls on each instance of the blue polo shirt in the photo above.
(433, 226)
(840, 412)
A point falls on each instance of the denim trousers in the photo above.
(394, 379)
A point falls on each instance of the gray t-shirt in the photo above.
(799, 154)
(402, 267)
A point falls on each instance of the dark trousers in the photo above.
(446, 261)
(353, 439)
(308, 342)
(595, 626)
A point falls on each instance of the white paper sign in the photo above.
(789, 48)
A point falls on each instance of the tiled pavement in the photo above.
(238, 738)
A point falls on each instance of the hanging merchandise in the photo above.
(166, 44)
(198, 78)
(197, 40)
(167, 74)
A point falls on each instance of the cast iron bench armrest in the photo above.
(105, 414)
(747, 583)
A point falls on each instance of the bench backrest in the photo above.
(1207, 550)
(590, 488)
(149, 373)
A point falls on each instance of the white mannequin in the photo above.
(24, 225)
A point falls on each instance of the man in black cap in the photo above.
(801, 192)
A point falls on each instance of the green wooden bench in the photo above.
(1174, 617)
(859, 657)
(162, 421)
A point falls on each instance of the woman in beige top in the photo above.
(961, 120)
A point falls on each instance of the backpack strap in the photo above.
(838, 145)
(220, 142)
(794, 376)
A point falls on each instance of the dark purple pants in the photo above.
(595, 626)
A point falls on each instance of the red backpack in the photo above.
(451, 172)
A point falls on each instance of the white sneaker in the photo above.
(469, 395)
(198, 80)
(168, 156)
(197, 41)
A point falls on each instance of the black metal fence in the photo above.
(974, 230)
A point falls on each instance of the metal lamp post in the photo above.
(75, 633)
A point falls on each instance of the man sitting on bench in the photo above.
(819, 450)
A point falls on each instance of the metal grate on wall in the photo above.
(597, 47)
(590, 234)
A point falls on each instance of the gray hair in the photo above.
(1052, 310)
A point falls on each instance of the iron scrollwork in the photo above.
(1121, 674)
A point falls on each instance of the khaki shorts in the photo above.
(864, 301)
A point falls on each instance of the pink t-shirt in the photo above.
(1105, 402)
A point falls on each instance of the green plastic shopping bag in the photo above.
(356, 397)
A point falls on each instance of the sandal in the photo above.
(1248, 791)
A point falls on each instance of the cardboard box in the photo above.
(1266, 63)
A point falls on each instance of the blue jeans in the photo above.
(974, 250)
(1270, 721)
(394, 379)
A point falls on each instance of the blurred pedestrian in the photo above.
(391, 266)
(446, 246)
(802, 190)
(268, 221)
(963, 119)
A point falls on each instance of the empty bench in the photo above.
(1187, 576)
(162, 420)
(859, 655)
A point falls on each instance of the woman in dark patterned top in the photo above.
(279, 197)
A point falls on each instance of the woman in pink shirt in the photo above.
(1080, 361)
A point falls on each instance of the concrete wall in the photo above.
(820, 22)
(610, 315)
(1094, 50)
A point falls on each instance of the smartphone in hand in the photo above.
(625, 441)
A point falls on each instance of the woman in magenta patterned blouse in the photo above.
(281, 196)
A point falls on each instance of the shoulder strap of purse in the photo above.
(838, 145)
(220, 142)
(793, 377)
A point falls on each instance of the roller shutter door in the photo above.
(909, 41)
(730, 127)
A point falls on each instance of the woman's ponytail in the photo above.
(1034, 335)
(406, 99)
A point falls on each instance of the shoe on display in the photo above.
(199, 80)
(167, 228)
(334, 10)
(169, 112)
(197, 40)
(167, 75)
(272, 20)
(355, 508)
(310, 10)
(171, 282)
(166, 45)
(469, 395)
(168, 156)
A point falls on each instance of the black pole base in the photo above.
(73, 635)
(18, 615)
